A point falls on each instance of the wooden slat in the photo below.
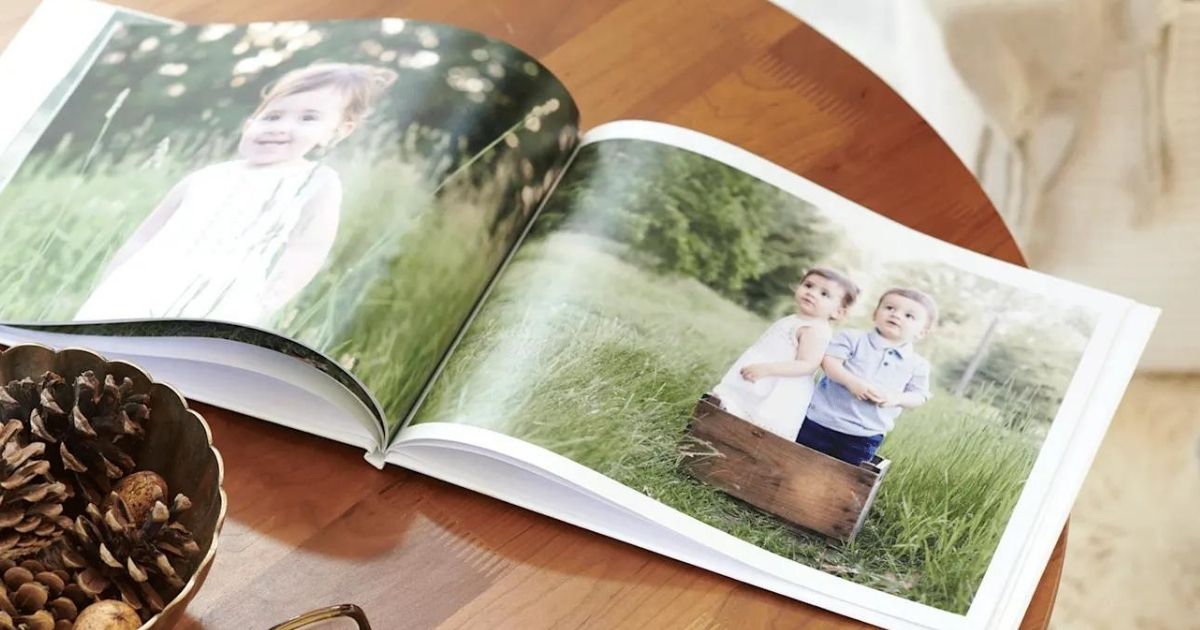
(804, 487)
(880, 466)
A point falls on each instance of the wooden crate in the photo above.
(804, 487)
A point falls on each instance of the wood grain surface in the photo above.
(804, 487)
(312, 524)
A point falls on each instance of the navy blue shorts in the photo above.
(852, 449)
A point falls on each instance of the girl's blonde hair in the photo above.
(361, 84)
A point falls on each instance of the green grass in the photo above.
(407, 266)
(61, 228)
(405, 273)
(600, 361)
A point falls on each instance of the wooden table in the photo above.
(311, 524)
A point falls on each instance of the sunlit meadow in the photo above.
(438, 181)
(610, 383)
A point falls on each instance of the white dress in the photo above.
(777, 404)
(213, 257)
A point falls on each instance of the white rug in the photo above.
(1133, 555)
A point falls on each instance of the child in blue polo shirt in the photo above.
(870, 378)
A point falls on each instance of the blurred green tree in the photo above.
(1015, 350)
(683, 213)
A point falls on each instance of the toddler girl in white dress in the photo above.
(772, 382)
(235, 241)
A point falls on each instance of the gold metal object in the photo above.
(325, 614)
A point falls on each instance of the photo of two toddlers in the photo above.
(868, 377)
(658, 273)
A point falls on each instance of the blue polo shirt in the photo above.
(868, 356)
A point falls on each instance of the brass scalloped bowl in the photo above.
(178, 446)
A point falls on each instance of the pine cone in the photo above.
(31, 501)
(34, 597)
(96, 427)
(115, 556)
(18, 399)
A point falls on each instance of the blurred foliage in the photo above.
(694, 216)
(187, 80)
(1029, 358)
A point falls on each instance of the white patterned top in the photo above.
(214, 257)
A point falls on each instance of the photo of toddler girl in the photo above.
(771, 383)
(237, 240)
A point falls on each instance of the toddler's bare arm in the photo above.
(835, 369)
(905, 400)
(915, 393)
(810, 350)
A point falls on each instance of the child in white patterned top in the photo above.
(235, 241)
(771, 383)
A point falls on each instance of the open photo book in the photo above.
(394, 235)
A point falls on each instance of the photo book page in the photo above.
(671, 274)
(337, 192)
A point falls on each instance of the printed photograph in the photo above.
(795, 377)
(350, 185)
